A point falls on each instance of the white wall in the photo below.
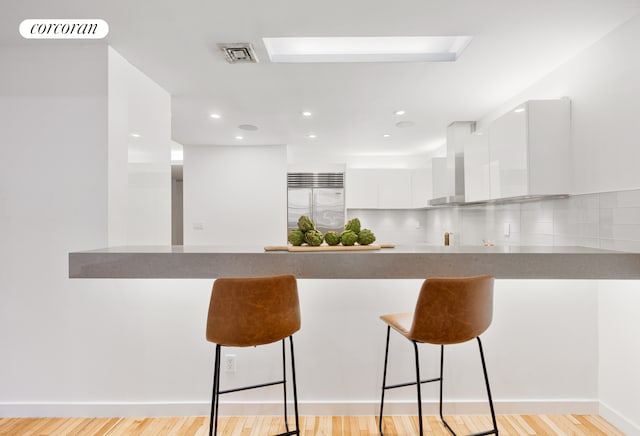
(140, 166)
(78, 347)
(236, 195)
(619, 354)
(533, 353)
(53, 199)
(602, 83)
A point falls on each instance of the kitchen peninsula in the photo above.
(402, 262)
(560, 320)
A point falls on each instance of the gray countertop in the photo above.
(404, 261)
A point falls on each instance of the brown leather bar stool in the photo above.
(246, 312)
(448, 311)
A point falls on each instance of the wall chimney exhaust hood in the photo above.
(450, 180)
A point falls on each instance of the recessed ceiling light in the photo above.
(311, 136)
(215, 116)
(386, 135)
(366, 49)
(403, 124)
(239, 138)
(520, 109)
(479, 133)
(400, 112)
(248, 127)
(306, 114)
(135, 135)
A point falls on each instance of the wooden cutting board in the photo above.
(327, 247)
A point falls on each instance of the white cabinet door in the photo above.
(379, 189)
(421, 187)
(477, 180)
(508, 154)
(361, 189)
(394, 189)
(549, 136)
(530, 150)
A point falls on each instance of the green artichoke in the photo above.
(305, 224)
(332, 238)
(313, 238)
(366, 237)
(348, 237)
(296, 237)
(353, 225)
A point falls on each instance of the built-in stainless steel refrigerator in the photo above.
(319, 196)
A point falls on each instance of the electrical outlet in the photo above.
(506, 229)
(230, 363)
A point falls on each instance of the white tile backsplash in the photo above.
(620, 245)
(393, 226)
(588, 242)
(628, 198)
(607, 220)
(627, 232)
(608, 200)
(536, 227)
(620, 199)
(589, 230)
(606, 217)
(566, 240)
(626, 215)
(536, 239)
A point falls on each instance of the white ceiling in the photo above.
(174, 42)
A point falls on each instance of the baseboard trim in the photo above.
(621, 422)
(335, 408)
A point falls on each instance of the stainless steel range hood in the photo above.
(456, 201)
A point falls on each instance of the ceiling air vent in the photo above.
(240, 52)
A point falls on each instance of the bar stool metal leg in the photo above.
(295, 388)
(446, 424)
(213, 420)
(486, 381)
(384, 379)
(418, 385)
(284, 385)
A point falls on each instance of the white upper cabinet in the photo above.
(529, 151)
(394, 189)
(386, 188)
(361, 189)
(477, 181)
(421, 187)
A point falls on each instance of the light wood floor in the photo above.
(310, 425)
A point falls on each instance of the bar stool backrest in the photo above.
(453, 310)
(246, 312)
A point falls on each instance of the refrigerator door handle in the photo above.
(312, 205)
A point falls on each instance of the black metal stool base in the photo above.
(215, 400)
(418, 383)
